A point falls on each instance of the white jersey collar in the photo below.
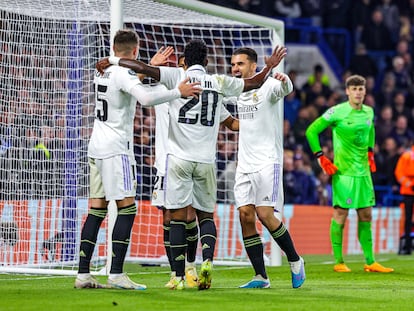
(196, 68)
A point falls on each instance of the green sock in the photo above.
(365, 239)
(336, 241)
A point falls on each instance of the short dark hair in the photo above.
(195, 53)
(355, 80)
(125, 40)
(251, 54)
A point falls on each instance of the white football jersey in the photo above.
(260, 114)
(194, 122)
(161, 134)
(113, 127)
(116, 93)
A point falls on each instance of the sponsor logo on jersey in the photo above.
(246, 112)
(132, 73)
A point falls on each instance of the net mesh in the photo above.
(47, 59)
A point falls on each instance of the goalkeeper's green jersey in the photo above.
(352, 133)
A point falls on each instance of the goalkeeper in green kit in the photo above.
(353, 133)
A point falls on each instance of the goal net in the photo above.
(47, 59)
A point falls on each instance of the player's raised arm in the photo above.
(136, 65)
(162, 57)
(271, 62)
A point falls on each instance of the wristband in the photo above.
(114, 60)
(319, 153)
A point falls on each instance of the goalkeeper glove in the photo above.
(326, 164)
(371, 161)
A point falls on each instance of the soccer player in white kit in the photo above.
(258, 188)
(158, 197)
(111, 159)
(194, 124)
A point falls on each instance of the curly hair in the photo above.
(195, 53)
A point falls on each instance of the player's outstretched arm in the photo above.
(136, 65)
(148, 96)
(161, 58)
(271, 62)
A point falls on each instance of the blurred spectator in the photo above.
(370, 85)
(335, 13)
(370, 101)
(386, 92)
(320, 103)
(361, 63)
(391, 15)
(399, 107)
(226, 151)
(334, 98)
(324, 189)
(360, 13)
(311, 91)
(292, 178)
(305, 117)
(293, 75)
(406, 28)
(291, 104)
(401, 132)
(312, 9)
(318, 75)
(402, 47)
(289, 141)
(386, 160)
(399, 71)
(384, 124)
(287, 8)
(375, 35)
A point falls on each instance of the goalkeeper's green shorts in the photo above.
(352, 192)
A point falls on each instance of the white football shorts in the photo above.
(158, 193)
(262, 188)
(113, 178)
(190, 183)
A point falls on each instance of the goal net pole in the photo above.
(117, 23)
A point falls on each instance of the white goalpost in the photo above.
(48, 54)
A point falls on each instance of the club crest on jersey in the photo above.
(131, 72)
(255, 98)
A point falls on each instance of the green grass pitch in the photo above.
(323, 290)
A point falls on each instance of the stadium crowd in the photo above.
(382, 34)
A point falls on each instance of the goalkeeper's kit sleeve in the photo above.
(312, 135)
